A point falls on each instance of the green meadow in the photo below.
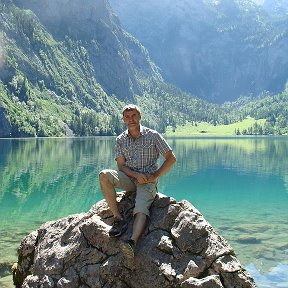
(207, 129)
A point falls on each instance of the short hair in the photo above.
(130, 107)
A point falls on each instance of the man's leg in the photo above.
(109, 179)
(108, 190)
(145, 196)
(138, 226)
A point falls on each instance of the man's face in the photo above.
(131, 118)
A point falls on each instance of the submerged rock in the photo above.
(179, 248)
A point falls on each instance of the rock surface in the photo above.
(179, 248)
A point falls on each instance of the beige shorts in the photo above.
(145, 193)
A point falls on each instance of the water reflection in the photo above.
(36, 165)
(240, 185)
(39, 167)
(45, 179)
(276, 278)
(260, 155)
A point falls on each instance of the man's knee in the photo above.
(104, 176)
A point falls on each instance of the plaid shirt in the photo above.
(141, 154)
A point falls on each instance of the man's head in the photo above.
(131, 116)
(130, 107)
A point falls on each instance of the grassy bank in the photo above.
(206, 129)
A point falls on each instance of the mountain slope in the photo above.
(56, 82)
(51, 80)
(217, 50)
(59, 82)
(94, 23)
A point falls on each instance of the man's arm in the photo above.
(170, 160)
(141, 178)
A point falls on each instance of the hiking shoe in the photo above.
(128, 248)
(118, 228)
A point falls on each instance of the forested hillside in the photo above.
(272, 108)
(67, 69)
(52, 82)
(217, 50)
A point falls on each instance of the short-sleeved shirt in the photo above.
(141, 154)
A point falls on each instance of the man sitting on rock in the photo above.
(137, 151)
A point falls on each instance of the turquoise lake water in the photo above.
(240, 185)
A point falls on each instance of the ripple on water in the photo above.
(277, 277)
(248, 240)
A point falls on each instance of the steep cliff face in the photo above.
(94, 23)
(218, 50)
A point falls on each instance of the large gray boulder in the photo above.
(179, 248)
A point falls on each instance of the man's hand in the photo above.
(145, 178)
(152, 178)
(141, 178)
